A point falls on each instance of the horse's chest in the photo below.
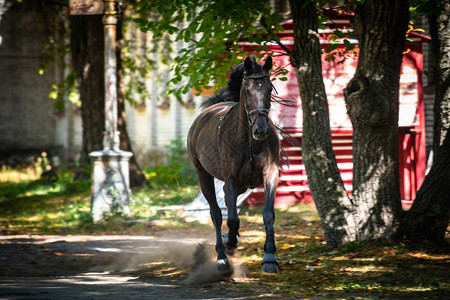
(251, 172)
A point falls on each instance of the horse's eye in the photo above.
(247, 91)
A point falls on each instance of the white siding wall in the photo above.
(152, 126)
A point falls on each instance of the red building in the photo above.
(293, 187)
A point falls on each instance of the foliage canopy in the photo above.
(212, 32)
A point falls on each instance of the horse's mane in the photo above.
(232, 90)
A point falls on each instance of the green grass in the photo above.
(34, 206)
(62, 206)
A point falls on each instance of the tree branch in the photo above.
(286, 49)
(270, 31)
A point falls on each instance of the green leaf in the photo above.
(339, 33)
(321, 22)
(251, 29)
(348, 46)
(332, 46)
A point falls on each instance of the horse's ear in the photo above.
(248, 64)
(268, 64)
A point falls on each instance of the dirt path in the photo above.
(102, 267)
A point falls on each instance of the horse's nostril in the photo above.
(260, 133)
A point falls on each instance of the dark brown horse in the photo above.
(235, 141)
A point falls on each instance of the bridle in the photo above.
(255, 112)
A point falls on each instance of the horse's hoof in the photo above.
(229, 251)
(270, 268)
(270, 263)
(228, 246)
(223, 265)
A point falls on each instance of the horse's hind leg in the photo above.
(270, 262)
(231, 239)
(208, 190)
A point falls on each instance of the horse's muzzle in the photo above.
(259, 133)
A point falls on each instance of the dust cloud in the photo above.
(199, 257)
(204, 268)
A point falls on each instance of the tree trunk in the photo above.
(137, 178)
(86, 45)
(332, 201)
(428, 217)
(372, 103)
(373, 106)
(440, 47)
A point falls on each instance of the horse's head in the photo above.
(256, 93)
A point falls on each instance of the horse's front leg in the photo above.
(231, 239)
(208, 190)
(270, 262)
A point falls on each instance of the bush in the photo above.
(177, 170)
(70, 183)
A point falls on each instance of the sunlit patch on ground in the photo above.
(365, 269)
